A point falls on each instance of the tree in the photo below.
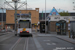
(64, 13)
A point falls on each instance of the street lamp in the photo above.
(74, 6)
(73, 2)
(45, 16)
(68, 21)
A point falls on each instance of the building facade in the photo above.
(10, 19)
(53, 17)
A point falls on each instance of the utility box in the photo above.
(72, 29)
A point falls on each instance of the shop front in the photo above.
(60, 24)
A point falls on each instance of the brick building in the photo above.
(10, 20)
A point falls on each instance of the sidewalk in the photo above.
(63, 37)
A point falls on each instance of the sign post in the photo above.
(69, 27)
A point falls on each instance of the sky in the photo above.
(60, 5)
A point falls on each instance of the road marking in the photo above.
(48, 43)
(54, 49)
(15, 44)
(39, 47)
(46, 40)
(26, 44)
(64, 48)
(51, 43)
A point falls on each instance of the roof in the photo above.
(54, 12)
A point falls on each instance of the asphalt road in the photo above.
(53, 43)
(11, 42)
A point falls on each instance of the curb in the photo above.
(65, 40)
(45, 36)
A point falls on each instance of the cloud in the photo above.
(58, 4)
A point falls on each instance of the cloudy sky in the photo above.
(60, 5)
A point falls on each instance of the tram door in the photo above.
(61, 27)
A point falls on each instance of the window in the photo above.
(24, 24)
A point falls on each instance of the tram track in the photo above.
(19, 46)
(15, 44)
(26, 44)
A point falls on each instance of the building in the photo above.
(9, 22)
(54, 17)
(10, 19)
(2, 21)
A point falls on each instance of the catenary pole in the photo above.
(45, 16)
(15, 17)
(15, 7)
(2, 18)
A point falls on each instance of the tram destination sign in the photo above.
(15, 0)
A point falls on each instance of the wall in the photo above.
(52, 26)
(10, 15)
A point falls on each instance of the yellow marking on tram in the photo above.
(24, 29)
